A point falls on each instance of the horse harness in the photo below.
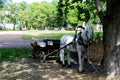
(80, 41)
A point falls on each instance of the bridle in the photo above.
(90, 36)
(80, 39)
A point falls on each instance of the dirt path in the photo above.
(13, 39)
(29, 69)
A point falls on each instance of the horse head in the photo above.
(86, 36)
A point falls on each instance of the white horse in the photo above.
(79, 44)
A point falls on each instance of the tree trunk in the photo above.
(111, 29)
(14, 26)
(26, 24)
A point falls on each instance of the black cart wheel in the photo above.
(42, 55)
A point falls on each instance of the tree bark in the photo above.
(112, 48)
(14, 26)
(111, 37)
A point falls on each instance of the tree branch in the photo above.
(99, 10)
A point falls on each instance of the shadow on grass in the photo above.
(14, 53)
(16, 64)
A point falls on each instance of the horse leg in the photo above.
(41, 55)
(68, 55)
(80, 60)
(62, 57)
(81, 55)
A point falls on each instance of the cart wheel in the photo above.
(42, 55)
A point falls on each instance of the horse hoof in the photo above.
(42, 61)
(63, 65)
(58, 61)
(68, 66)
(81, 72)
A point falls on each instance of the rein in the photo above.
(80, 41)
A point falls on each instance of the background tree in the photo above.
(77, 11)
(2, 3)
(94, 19)
(12, 14)
(34, 15)
(48, 11)
(22, 15)
(41, 15)
(60, 16)
(56, 14)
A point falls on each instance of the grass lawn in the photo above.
(7, 54)
(50, 34)
(15, 53)
(45, 34)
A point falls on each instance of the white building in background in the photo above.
(9, 25)
(2, 26)
(6, 26)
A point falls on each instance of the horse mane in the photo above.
(80, 27)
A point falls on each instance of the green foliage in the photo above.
(12, 13)
(60, 16)
(78, 11)
(14, 53)
(73, 17)
(2, 4)
(34, 15)
(96, 34)
(59, 13)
